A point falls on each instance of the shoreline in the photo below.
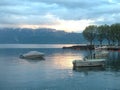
(81, 47)
(92, 47)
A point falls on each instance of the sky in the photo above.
(67, 15)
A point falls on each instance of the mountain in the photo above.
(38, 36)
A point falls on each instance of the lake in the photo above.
(56, 71)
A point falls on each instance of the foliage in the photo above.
(90, 33)
(100, 33)
(103, 32)
(115, 33)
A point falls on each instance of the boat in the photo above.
(114, 48)
(89, 63)
(33, 55)
(102, 48)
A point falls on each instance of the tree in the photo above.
(101, 33)
(107, 33)
(115, 33)
(90, 33)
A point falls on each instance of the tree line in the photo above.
(108, 33)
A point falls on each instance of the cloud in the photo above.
(57, 13)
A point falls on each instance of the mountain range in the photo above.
(39, 36)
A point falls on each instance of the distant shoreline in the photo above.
(92, 47)
(81, 47)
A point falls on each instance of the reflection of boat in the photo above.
(83, 69)
(89, 63)
(33, 55)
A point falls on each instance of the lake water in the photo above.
(56, 71)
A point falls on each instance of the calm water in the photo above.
(56, 71)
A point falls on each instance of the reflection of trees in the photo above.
(113, 62)
(92, 54)
(89, 54)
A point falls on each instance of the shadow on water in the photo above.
(86, 69)
(32, 57)
(34, 60)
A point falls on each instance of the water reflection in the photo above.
(64, 60)
(33, 61)
(113, 61)
(89, 69)
(55, 72)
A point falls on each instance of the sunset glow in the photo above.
(66, 25)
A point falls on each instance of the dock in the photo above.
(114, 48)
(81, 47)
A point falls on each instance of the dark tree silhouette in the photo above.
(90, 33)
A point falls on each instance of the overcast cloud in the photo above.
(58, 14)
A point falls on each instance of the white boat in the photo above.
(101, 48)
(89, 63)
(32, 55)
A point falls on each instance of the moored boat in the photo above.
(33, 55)
(89, 63)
